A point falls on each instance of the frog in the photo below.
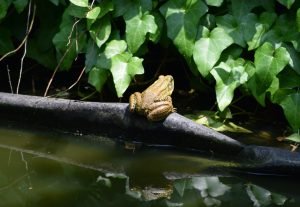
(155, 102)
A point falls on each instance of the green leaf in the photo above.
(20, 5)
(259, 195)
(80, 3)
(123, 69)
(76, 11)
(266, 20)
(121, 7)
(100, 31)
(98, 77)
(228, 77)
(287, 3)
(268, 62)
(240, 28)
(242, 7)
(182, 23)
(294, 137)
(291, 108)
(298, 20)
(211, 120)
(289, 79)
(214, 2)
(115, 47)
(55, 2)
(137, 26)
(93, 13)
(91, 55)
(3, 8)
(208, 49)
(68, 41)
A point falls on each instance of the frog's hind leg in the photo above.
(135, 100)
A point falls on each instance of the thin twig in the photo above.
(25, 38)
(69, 45)
(9, 80)
(74, 84)
(79, 77)
(56, 69)
(25, 49)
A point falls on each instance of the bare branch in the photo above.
(25, 38)
(9, 80)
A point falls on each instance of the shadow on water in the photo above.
(39, 168)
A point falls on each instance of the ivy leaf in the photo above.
(115, 47)
(98, 77)
(122, 65)
(182, 23)
(268, 62)
(80, 3)
(208, 49)
(123, 69)
(214, 2)
(100, 31)
(287, 3)
(138, 24)
(3, 8)
(91, 55)
(55, 2)
(93, 13)
(228, 77)
(291, 108)
(294, 138)
(20, 5)
(240, 28)
(266, 20)
(298, 20)
(67, 43)
(121, 7)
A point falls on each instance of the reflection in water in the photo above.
(42, 169)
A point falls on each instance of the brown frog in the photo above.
(155, 102)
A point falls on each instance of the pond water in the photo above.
(39, 168)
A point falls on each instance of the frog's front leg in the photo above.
(135, 102)
(159, 110)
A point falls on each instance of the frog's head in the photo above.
(166, 84)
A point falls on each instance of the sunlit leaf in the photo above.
(287, 3)
(100, 31)
(208, 49)
(269, 61)
(240, 29)
(138, 24)
(294, 137)
(291, 108)
(228, 77)
(214, 2)
(266, 20)
(182, 23)
(98, 77)
(212, 120)
(81, 3)
(259, 195)
(123, 69)
(210, 185)
(115, 47)
(93, 14)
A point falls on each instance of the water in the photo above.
(42, 168)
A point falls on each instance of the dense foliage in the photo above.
(251, 45)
